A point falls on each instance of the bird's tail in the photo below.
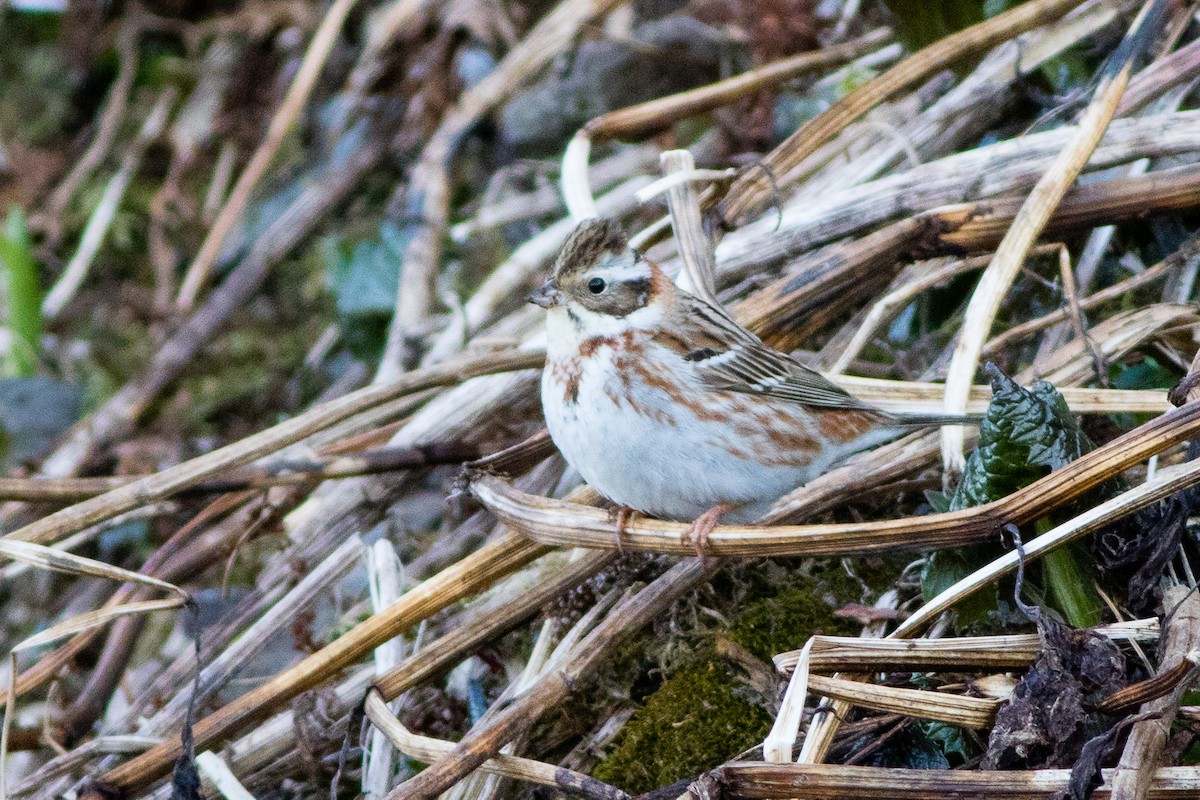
(936, 420)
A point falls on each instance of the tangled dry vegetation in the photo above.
(263, 270)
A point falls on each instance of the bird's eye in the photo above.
(596, 285)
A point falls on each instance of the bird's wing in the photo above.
(729, 357)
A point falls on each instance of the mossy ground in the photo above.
(705, 712)
(695, 718)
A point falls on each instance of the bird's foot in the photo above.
(698, 532)
(622, 517)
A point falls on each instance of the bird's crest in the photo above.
(587, 243)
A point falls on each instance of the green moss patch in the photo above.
(704, 713)
(694, 721)
(785, 622)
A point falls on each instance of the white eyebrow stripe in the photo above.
(622, 274)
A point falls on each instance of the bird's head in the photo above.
(597, 273)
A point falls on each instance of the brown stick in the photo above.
(551, 689)
(753, 187)
(835, 782)
(466, 577)
(1144, 748)
(281, 473)
(626, 123)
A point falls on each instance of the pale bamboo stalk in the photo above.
(969, 712)
(547, 199)
(1029, 222)
(699, 273)
(429, 750)
(67, 627)
(214, 768)
(920, 397)
(162, 484)
(462, 579)
(54, 769)
(1148, 737)
(386, 584)
(847, 653)
(760, 781)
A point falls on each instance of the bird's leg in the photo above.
(622, 517)
(697, 533)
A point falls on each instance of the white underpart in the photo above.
(635, 458)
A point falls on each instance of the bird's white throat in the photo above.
(569, 324)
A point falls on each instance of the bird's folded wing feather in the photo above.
(727, 356)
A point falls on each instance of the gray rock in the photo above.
(663, 56)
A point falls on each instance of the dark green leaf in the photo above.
(1146, 374)
(938, 501)
(1025, 434)
(951, 740)
(910, 749)
(364, 281)
(945, 568)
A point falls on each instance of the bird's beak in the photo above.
(547, 296)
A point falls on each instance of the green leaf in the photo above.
(921, 23)
(1025, 434)
(945, 568)
(938, 501)
(364, 281)
(951, 740)
(911, 748)
(1146, 374)
(1072, 586)
(22, 296)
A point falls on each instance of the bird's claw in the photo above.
(622, 517)
(702, 527)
